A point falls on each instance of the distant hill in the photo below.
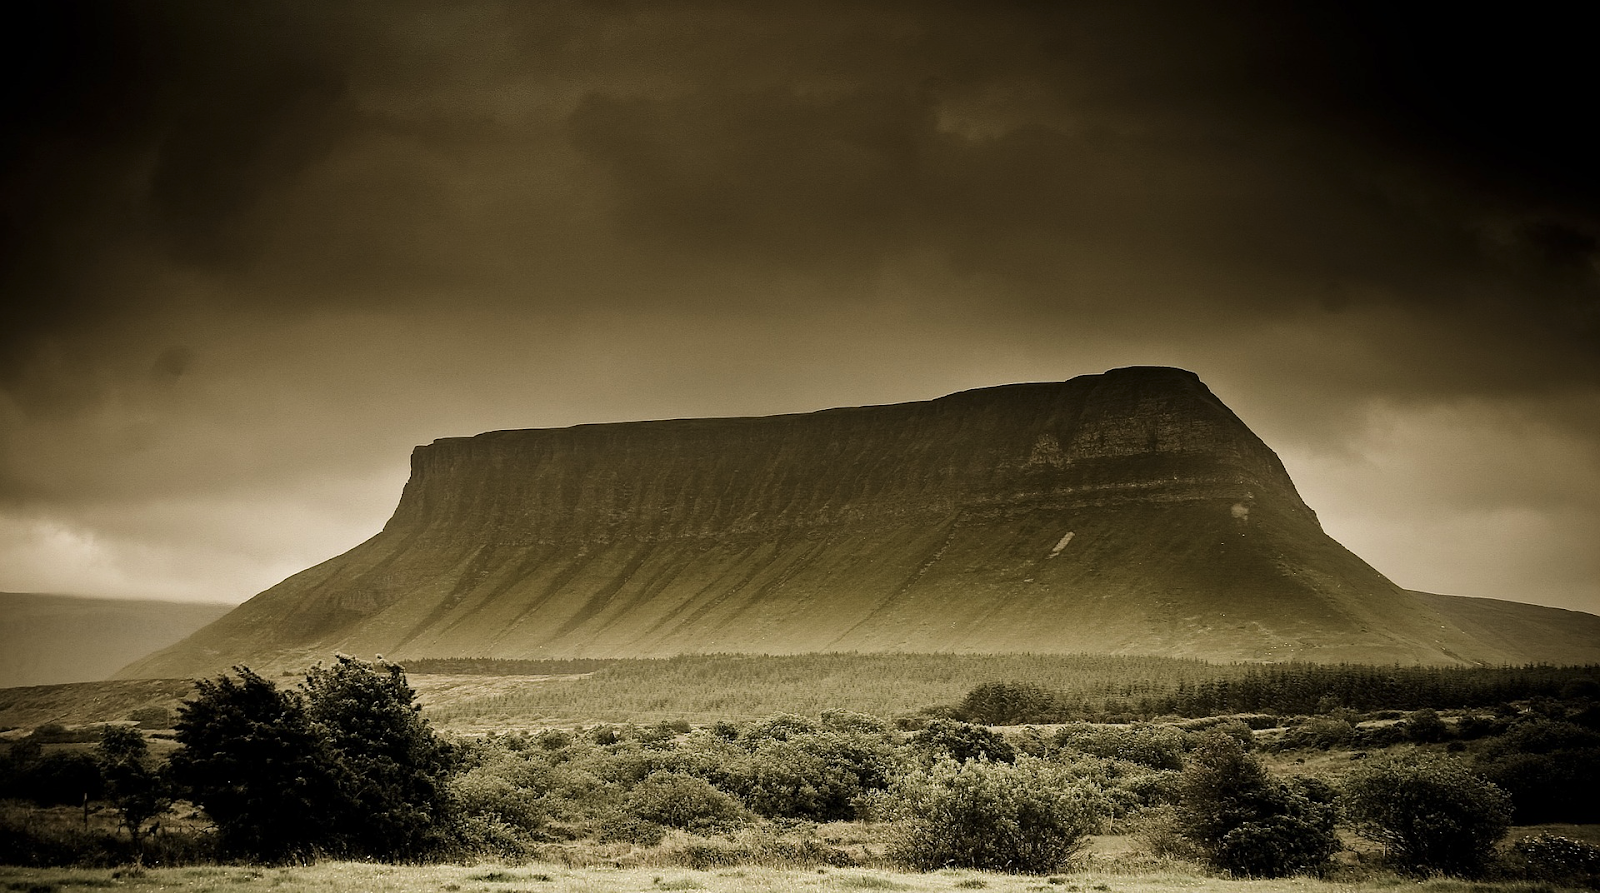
(1541, 634)
(50, 639)
(1129, 513)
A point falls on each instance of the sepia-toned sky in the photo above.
(254, 252)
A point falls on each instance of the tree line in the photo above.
(1292, 688)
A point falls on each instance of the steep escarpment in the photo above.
(1128, 512)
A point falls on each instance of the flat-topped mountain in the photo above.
(1127, 512)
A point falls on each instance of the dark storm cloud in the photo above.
(142, 134)
(247, 246)
(1157, 153)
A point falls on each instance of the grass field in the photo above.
(355, 877)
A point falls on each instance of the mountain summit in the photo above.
(1127, 512)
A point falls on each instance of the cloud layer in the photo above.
(254, 252)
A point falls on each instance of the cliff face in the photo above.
(1128, 512)
(1136, 431)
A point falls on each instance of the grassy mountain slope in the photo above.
(1545, 635)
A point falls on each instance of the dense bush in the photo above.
(1551, 769)
(1026, 817)
(962, 741)
(252, 760)
(1431, 814)
(817, 775)
(684, 801)
(1245, 821)
(1156, 747)
(59, 778)
(1424, 726)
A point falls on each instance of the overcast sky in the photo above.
(254, 252)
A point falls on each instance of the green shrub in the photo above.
(503, 793)
(1430, 814)
(1157, 747)
(1549, 768)
(1275, 846)
(1026, 817)
(1424, 726)
(780, 727)
(797, 780)
(683, 801)
(1321, 733)
(1246, 821)
(253, 761)
(962, 741)
(794, 768)
(391, 768)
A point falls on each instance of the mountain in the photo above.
(1127, 512)
(51, 639)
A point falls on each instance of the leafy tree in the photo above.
(135, 787)
(1430, 814)
(253, 761)
(350, 767)
(1248, 822)
(391, 768)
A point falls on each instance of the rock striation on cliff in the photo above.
(1127, 512)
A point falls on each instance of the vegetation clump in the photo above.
(1430, 814)
(1557, 859)
(1245, 821)
(348, 768)
(1027, 817)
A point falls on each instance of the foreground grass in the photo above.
(349, 877)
